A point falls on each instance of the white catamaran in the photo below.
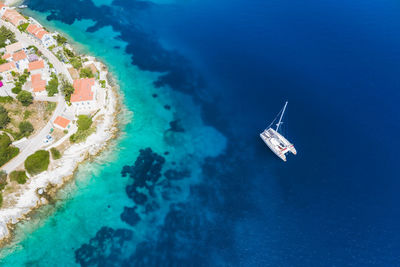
(275, 141)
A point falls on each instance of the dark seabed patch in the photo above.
(194, 232)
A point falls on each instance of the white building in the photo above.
(84, 97)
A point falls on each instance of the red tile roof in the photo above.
(62, 122)
(20, 55)
(2, 5)
(36, 65)
(38, 84)
(7, 66)
(83, 90)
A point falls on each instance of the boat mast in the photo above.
(280, 119)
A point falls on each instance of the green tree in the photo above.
(67, 90)
(4, 118)
(18, 176)
(86, 73)
(52, 87)
(6, 34)
(55, 154)
(37, 162)
(69, 53)
(61, 39)
(25, 98)
(25, 128)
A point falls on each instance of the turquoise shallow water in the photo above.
(97, 196)
(335, 61)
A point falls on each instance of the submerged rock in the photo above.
(130, 216)
(104, 249)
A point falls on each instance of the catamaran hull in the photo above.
(277, 143)
(269, 144)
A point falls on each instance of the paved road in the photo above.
(36, 142)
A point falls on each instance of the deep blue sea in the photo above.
(189, 182)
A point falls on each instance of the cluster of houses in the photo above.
(20, 58)
(35, 29)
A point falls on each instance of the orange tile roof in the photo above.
(37, 31)
(7, 66)
(2, 5)
(41, 33)
(14, 17)
(36, 65)
(38, 84)
(20, 55)
(83, 90)
(32, 29)
(62, 122)
(5, 56)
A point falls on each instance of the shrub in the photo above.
(86, 73)
(37, 162)
(52, 87)
(60, 39)
(2, 61)
(81, 136)
(84, 122)
(76, 62)
(102, 83)
(55, 154)
(18, 176)
(27, 114)
(7, 152)
(3, 179)
(84, 130)
(4, 118)
(1, 199)
(25, 128)
(25, 98)
(16, 89)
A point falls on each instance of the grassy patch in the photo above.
(6, 99)
(50, 107)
